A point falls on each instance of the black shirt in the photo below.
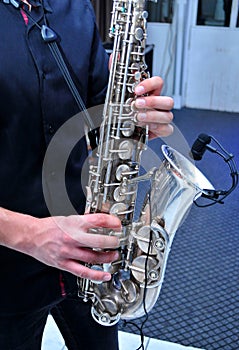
(34, 103)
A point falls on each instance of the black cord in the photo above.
(229, 159)
(65, 72)
(54, 48)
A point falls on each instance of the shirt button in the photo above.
(51, 130)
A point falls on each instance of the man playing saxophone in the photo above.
(41, 256)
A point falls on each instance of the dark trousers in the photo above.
(79, 330)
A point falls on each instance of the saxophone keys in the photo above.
(105, 312)
(97, 268)
(129, 291)
(139, 34)
(126, 287)
(143, 240)
(159, 244)
(128, 128)
(153, 275)
(121, 170)
(119, 195)
(138, 269)
(125, 149)
(118, 209)
(145, 14)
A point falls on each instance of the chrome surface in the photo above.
(113, 183)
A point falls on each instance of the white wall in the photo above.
(199, 64)
(213, 69)
(163, 38)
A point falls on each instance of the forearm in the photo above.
(16, 229)
(62, 242)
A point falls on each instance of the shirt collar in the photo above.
(44, 3)
(37, 15)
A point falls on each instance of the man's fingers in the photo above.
(153, 85)
(163, 103)
(84, 272)
(154, 116)
(160, 130)
(90, 256)
(94, 240)
(101, 220)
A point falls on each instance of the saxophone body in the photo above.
(138, 274)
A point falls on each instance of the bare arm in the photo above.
(61, 242)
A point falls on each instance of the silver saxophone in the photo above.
(138, 274)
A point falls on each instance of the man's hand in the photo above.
(63, 242)
(153, 109)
